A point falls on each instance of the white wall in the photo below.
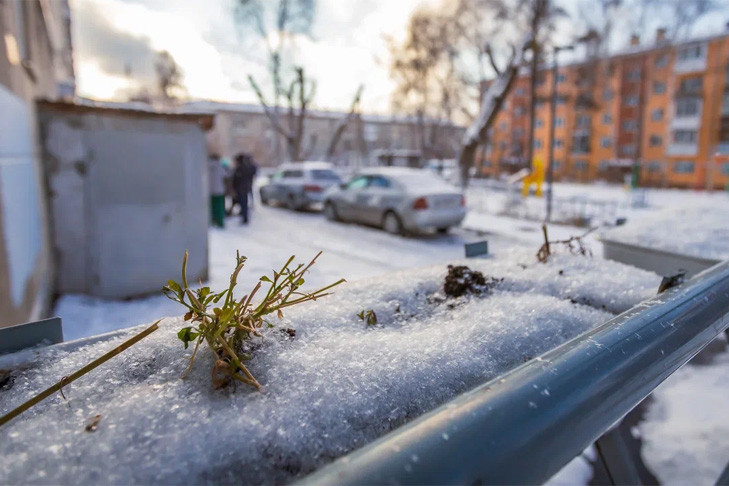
(19, 196)
(128, 197)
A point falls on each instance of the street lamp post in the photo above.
(552, 114)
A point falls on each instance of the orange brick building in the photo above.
(664, 106)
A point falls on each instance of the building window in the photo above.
(725, 103)
(557, 143)
(627, 150)
(520, 91)
(518, 132)
(633, 75)
(559, 122)
(502, 126)
(683, 167)
(539, 123)
(659, 87)
(580, 165)
(654, 166)
(561, 100)
(685, 136)
(687, 107)
(537, 143)
(655, 141)
(607, 94)
(631, 101)
(657, 114)
(604, 165)
(687, 53)
(606, 142)
(519, 110)
(502, 145)
(583, 121)
(607, 119)
(581, 144)
(725, 168)
(691, 86)
(630, 125)
(557, 164)
(661, 60)
(561, 78)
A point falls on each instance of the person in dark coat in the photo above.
(245, 172)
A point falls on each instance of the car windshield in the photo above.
(325, 175)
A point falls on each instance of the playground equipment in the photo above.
(536, 176)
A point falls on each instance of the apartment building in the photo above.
(367, 140)
(662, 107)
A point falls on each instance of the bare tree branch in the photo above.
(344, 122)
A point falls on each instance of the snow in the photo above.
(350, 251)
(335, 387)
(700, 230)
(685, 432)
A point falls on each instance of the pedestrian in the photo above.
(255, 171)
(243, 176)
(216, 176)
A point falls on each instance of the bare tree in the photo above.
(343, 123)
(276, 24)
(491, 103)
(169, 76)
(428, 84)
(299, 95)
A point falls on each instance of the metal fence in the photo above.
(524, 426)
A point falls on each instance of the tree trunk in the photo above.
(491, 104)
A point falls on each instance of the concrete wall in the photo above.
(32, 62)
(127, 196)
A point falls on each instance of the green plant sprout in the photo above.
(368, 316)
(231, 322)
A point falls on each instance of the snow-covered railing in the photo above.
(524, 426)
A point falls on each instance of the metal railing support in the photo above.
(524, 426)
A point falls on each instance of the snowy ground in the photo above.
(335, 387)
(684, 432)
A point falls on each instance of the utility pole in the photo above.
(539, 11)
(552, 123)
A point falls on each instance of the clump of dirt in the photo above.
(461, 281)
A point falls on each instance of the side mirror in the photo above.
(343, 185)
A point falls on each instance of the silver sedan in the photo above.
(399, 200)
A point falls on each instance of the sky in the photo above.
(115, 43)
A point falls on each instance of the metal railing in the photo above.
(524, 426)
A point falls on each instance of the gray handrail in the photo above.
(524, 426)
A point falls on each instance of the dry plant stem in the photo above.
(69, 379)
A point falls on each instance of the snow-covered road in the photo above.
(349, 251)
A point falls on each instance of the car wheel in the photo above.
(291, 203)
(443, 231)
(330, 212)
(392, 224)
(264, 199)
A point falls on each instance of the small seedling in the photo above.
(368, 316)
(230, 322)
(575, 245)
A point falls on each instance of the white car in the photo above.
(399, 200)
(299, 185)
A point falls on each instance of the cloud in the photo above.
(113, 51)
(347, 47)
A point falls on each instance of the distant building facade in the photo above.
(367, 139)
(663, 106)
(35, 62)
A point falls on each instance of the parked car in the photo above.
(397, 199)
(299, 185)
